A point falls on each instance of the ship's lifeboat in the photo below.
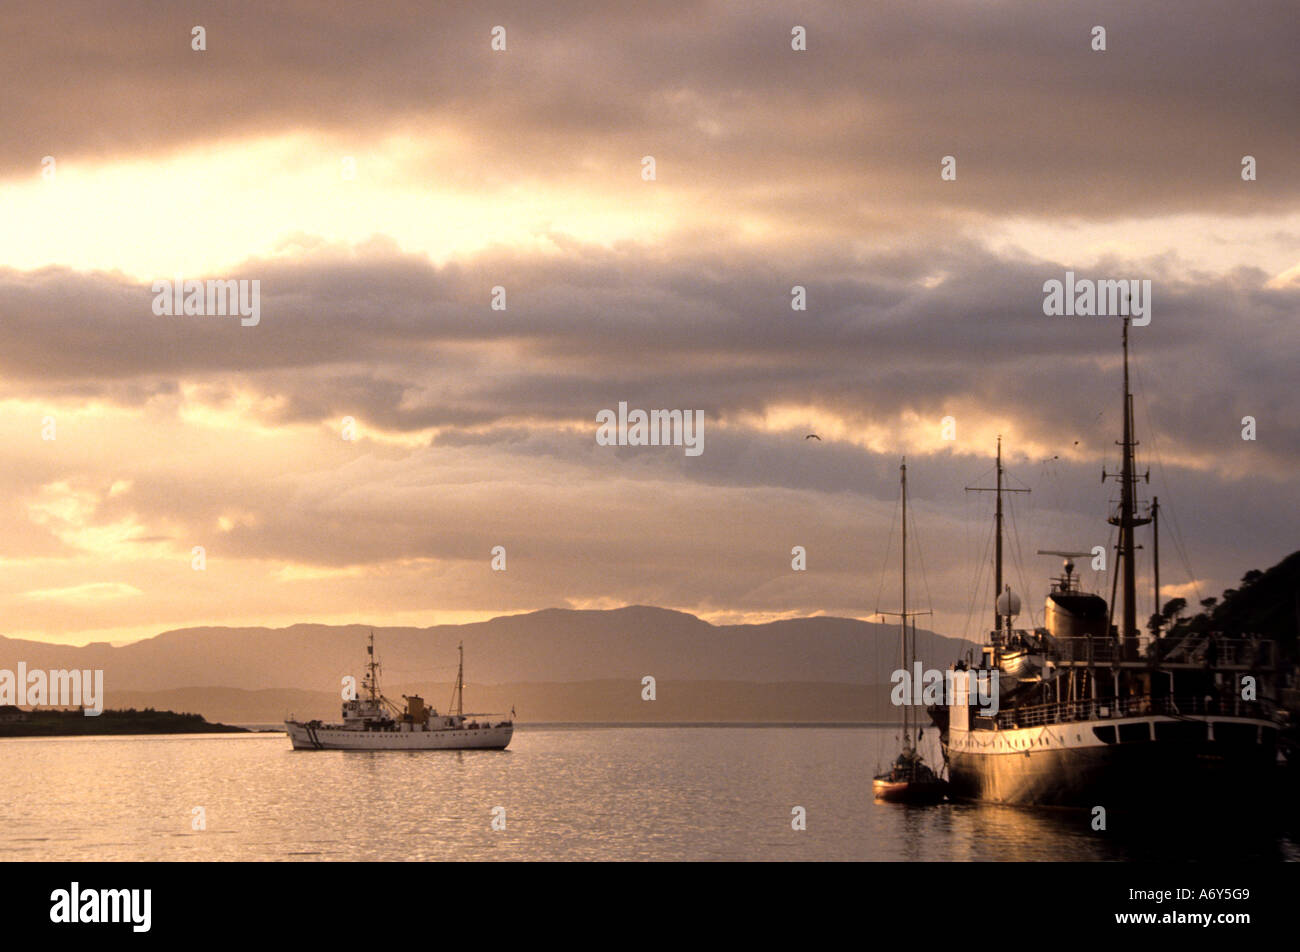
(1022, 664)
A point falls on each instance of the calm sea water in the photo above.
(583, 793)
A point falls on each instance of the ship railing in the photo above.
(1095, 650)
(1217, 652)
(1136, 706)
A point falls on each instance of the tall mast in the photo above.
(1127, 519)
(372, 665)
(997, 521)
(1155, 554)
(460, 683)
(997, 580)
(903, 616)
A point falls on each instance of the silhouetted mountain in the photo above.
(546, 646)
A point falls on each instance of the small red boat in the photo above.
(909, 780)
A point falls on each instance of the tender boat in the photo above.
(909, 780)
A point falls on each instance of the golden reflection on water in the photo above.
(617, 793)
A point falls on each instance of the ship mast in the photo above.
(372, 666)
(1126, 518)
(459, 699)
(997, 520)
(1155, 558)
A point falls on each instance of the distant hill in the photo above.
(549, 645)
(768, 667)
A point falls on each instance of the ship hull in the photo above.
(1065, 765)
(333, 737)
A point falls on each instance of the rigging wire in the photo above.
(1020, 565)
(1016, 549)
(889, 546)
(920, 557)
(1164, 481)
(983, 563)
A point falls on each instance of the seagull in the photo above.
(813, 436)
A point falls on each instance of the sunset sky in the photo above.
(522, 168)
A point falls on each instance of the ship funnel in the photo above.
(415, 709)
(1008, 604)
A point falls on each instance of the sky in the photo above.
(379, 171)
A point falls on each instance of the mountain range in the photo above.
(553, 665)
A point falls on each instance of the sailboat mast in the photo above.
(903, 616)
(997, 571)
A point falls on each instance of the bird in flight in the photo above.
(813, 436)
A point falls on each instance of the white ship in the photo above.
(373, 722)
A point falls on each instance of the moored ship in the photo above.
(1092, 713)
(373, 722)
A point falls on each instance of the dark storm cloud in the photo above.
(406, 346)
(847, 133)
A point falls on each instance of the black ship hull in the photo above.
(1120, 776)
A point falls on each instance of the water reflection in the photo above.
(572, 794)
